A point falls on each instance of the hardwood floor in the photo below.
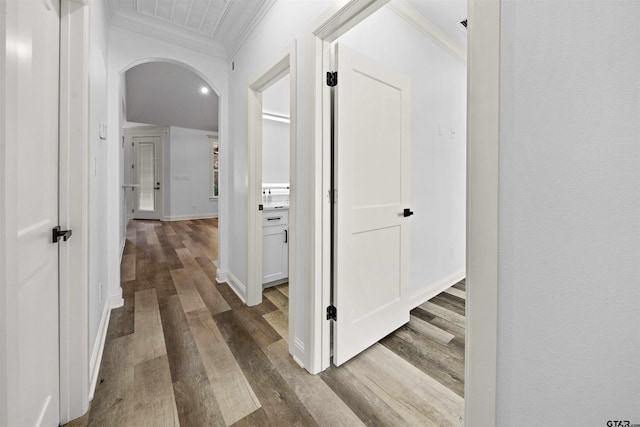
(186, 351)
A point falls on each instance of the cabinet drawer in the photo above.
(275, 218)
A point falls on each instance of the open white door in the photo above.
(146, 176)
(372, 142)
(31, 82)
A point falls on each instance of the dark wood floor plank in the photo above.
(449, 302)
(115, 384)
(195, 400)
(186, 350)
(279, 402)
(429, 358)
(121, 322)
(368, 406)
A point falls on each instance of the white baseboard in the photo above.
(436, 288)
(115, 301)
(98, 348)
(298, 352)
(237, 286)
(188, 217)
(221, 276)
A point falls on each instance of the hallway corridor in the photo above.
(186, 351)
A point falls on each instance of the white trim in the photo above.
(98, 348)
(407, 12)
(244, 34)
(336, 21)
(483, 142)
(74, 209)
(236, 286)
(283, 64)
(188, 217)
(116, 300)
(221, 275)
(436, 288)
(298, 352)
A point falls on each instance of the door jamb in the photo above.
(74, 209)
(482, 216)
(148, 131)
(283, 64)
(332, 24)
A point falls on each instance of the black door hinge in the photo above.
(332, 78)
(332, 313)
(58, 233)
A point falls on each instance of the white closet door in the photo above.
(372, 172)
(31, 331)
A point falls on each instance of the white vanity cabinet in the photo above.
(275, 245)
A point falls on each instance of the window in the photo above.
(215, 173)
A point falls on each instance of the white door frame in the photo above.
(282, 65)
(482, 194)
(145, 131)
(74, 209)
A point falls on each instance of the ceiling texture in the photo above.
(161, 93)
(215, 27)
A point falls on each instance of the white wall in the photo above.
(187, 159)
(438, 149)
(275, 151)
(125, 50)
(275, 133)
(289, 20)
(98, 172)
(569, 206)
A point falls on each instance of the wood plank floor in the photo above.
(185, 350)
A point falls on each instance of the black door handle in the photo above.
(57, 233)
(407, 212)
(286, 236)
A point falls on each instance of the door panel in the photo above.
(372, 138)
(33, 341)
(147, 177)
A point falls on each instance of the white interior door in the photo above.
(146, 176)
(32, 335)
(372, 142)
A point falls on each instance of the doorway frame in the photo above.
(75, 387)
(144, 131)
(483, 124)
(283, 64)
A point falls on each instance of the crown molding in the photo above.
(169, 35)
(250, 26)
(407, 12)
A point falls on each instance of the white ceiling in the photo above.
(164, 94)
(446, 15)
(217, 27)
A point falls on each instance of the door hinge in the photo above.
(332, 313)
(58, 233)
(132, 144)
(332, 196)
(260, 207)
(332, 78)
(132, 166)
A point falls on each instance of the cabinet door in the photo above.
(275, 253)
